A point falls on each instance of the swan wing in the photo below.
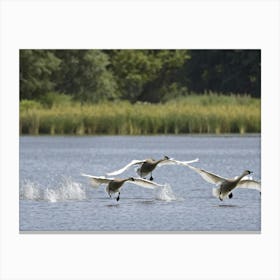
(97, 181)
(208, 176)
(133, 162)
(173, 161)
(216, 192)
(249, 184)
(145, 183)
(247, 177)
(187, 162)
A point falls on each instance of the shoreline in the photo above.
(148, 135)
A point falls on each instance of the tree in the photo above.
(36, 69)
(144, 74)
(137, 75)
(85, 75)
(225, 71)
(167, 83)
(132, 69)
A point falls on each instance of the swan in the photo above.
(114, 184)
(148, 165)
(226, 186)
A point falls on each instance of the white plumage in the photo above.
(146, 166)
(226, 186)
(114, 184)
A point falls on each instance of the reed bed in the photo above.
(194, 114)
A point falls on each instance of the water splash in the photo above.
(66, 190)
(165, 193)
(30, 191)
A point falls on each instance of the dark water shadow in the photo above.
(227, 206)
(136, 198)
(112, 205)
(197, 190)
(147, 202)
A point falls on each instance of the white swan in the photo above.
(148, 165)
(226, 186)
(114, 185)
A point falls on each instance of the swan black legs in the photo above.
(151, 178)
(118, 198)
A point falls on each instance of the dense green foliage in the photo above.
(37, 68)
(192, 114)
(139, 91)
(225, 71)
(136, 75)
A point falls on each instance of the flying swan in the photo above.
(148, 165)
(114, 185)
(226, 186)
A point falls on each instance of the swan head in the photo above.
(166, 157)
(247, 172)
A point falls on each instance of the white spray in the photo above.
(66, 190)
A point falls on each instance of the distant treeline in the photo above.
(137, 75)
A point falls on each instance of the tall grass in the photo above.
(191, 114)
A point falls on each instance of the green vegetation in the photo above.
(210, 113)
(153, 76)
(132, 92)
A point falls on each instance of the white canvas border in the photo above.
(153, 24)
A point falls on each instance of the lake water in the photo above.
(53, 196)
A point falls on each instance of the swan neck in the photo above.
(240, 177)
(127, 179)
(160, 160)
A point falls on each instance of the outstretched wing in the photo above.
(97, 181)
(117, 172)
(249, 184)
(190, 161)
(208, 176)
(172, 161)
(145, 183)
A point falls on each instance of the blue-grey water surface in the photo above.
(55, 197)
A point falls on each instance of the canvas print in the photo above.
(127, 140)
